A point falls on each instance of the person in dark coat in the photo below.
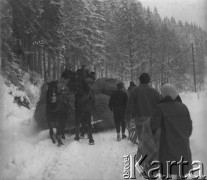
(84, 71)
(67, 72)
(178, 98)
(90, 82)
(175, 122)
(132, 85)
(142, 103)
(117, 104)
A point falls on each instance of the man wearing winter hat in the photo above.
(174, 120)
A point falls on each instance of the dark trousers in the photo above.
(139, 130)
(119, 120)
(58, 122)
(139, 121)
(85, 120)
(83, 129)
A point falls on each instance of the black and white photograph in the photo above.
(103, 89)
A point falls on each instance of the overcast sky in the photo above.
(190, 10)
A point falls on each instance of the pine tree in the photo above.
(83, 34)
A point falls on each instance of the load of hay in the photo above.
(102, 88)
(105, 86)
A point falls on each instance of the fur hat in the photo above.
(169, 90)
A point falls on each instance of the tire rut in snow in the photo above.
(53, 165)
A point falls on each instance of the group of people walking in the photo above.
(165, 111)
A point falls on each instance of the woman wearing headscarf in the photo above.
(175, 122)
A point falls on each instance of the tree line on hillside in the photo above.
(115, 38)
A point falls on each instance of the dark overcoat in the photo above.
(176, 127)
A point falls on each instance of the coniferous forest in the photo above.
(115, 38)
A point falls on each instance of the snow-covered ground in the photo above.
(198, 111)
(28, 155)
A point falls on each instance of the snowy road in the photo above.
(75, 160)
(27, 155)
(81, 161)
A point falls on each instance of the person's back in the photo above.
(118, 100)
(141, 106)
(174, 120)
(117, 104)
(143, 99)
(176, 125)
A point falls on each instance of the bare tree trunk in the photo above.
(101, 70)
(131, 73)
(137, 76)
(163, 62)
(44, 66)
(74, 65)
(150, 68)
(58, 68)
(24, 61)
(49, 66)
(194, 73)
(122, 69)
(106, 69)
(39, 60)
(61, 69)
(130, 54)
(35, 57)
(27, 47)
(54, 68)
(168, 68)
(31, 59)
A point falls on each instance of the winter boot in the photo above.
(60, 143)
(81, 135)
(123, 136)
(118, 137)
(52, 136)
(53, 141)
(91, 142)
(76, 138)
(63, 136)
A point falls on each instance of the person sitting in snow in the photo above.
(117, 104)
